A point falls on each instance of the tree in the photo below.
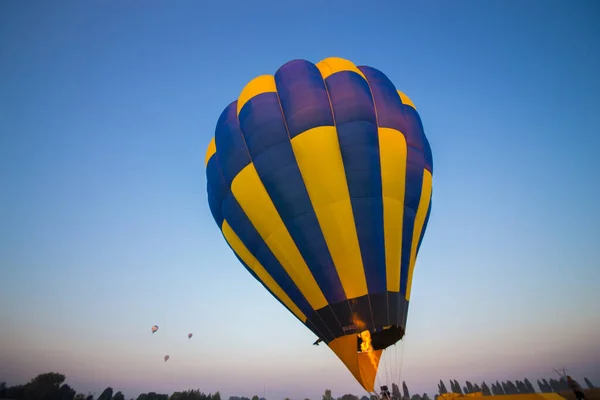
(485, 389)
(405, 391)
(499, 388)
(44, 386)
(80, 396)
(118, 396)
(544, 386)
(529, 386)
(455, 386)
(442, 387)
(589, 384)
(106, 394)
(65, 393)
(426, 396)
(327, 395)
(396, 395)
(256, 397)
(470, 387)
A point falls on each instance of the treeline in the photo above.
(508, 387)
(52, 386)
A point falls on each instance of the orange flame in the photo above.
(367, 347)
(366, 341)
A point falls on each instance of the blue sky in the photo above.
(106, 109)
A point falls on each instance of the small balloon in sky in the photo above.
(154, 328)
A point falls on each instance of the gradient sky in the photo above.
(106, 109)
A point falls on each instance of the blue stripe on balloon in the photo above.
(424, 226)
(309, 324)
(359, 144)
(264, 129)
(303, 97)
(415, 164)
(243, 228)
(231, 149)
(387, 102)
(217, 189)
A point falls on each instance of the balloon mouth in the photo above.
(382, 339)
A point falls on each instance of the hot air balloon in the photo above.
(166, 357)
(320, 180)
(190, 335)
(154, 329)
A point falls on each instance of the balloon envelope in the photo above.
(154, 328)
(320, 180)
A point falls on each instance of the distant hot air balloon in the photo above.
(320, 180)
(190, 335)
(166, 357)
(154, 329)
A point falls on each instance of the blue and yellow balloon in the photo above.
(320, 179)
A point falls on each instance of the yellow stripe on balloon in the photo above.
(424, 203)
(392, 154)
(320, 162)
(242, 251)
(252, 196)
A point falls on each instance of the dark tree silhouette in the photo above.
(589, 384)
(118, 396)
(442, 387)
(106, 394)
(485, 389)
(452, 388)
(544, 386)
(194, 394)
(469, 387)
(426, 396)
(153, 396)
(396, 395)
(65, 393)
(43, 387)
(457, 388)
(327, 395)
(405, 391)
(500, 388)
(529, 386)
